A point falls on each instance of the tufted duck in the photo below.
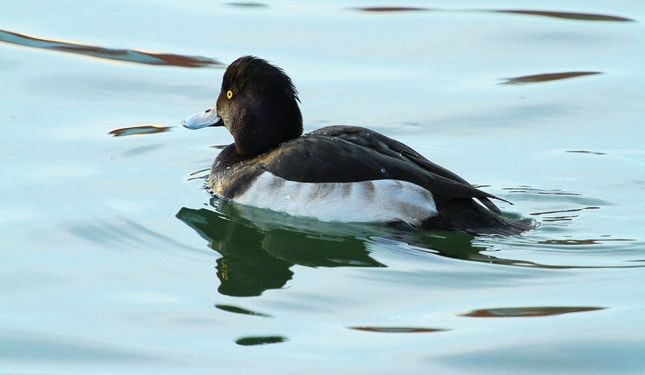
(337, 173)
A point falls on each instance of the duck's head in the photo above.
(258, 104)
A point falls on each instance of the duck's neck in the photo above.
(259, 133)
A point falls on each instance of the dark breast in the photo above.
(231, 174)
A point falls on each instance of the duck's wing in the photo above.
(353, 154)
(384, 144)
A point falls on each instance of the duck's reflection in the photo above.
(259, 247)
(257, 255)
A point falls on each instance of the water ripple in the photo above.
(260, 340)
(577, 16)
(126, 55)
(239, 310)
(241, 4)
(524, 312)
(398, 329)
(545, 77)
(566, 15)
(139, 130)
(391, 9)
(586, 152)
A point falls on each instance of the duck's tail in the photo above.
(468, 216)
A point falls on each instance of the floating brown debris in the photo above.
(547, 77)
(139, 130)
(126, 55)
(521, 312)
(567, 15)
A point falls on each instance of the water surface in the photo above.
(116, 260)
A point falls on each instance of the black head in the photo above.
(258, 104)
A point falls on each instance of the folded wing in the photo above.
(353, 154)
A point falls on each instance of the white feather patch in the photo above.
(366, 201)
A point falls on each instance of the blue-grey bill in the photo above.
(203, 119)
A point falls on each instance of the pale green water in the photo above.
(115, 260)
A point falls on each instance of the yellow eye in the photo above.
(229, 94)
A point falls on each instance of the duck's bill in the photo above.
(203, 119)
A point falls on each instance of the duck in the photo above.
(337, 173)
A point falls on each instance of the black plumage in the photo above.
(258, 105)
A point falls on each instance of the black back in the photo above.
(258, 104)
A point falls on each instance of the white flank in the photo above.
(367, 201)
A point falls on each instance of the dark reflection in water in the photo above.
(126, 55)
(546, 77)
(532, 190)
(523, 263)
(451, 244)
(259, 247)
(391, 9)
(586, 152)
(398, 329)
(589, 241)
(256, 258)
(520, 312)
(566, 15)
(260, 340)
(242, 4)
(239, 310)
(139, 130)
(562, 215)
(541, 13)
